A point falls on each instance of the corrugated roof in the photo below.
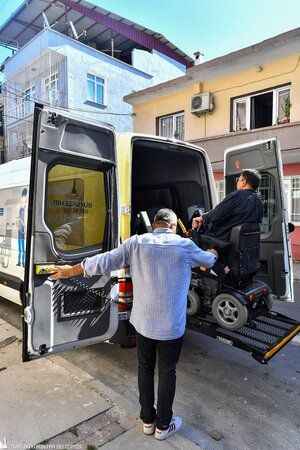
(99, 25)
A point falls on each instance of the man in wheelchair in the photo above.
(230, 293)
(240, 206)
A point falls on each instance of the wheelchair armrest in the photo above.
(205, 241)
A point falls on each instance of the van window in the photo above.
(267, 192)
(75, 207)
(267, 196)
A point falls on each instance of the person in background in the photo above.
(21, 229)
(160, 264)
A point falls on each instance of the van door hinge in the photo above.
(28, 315)
(125, 209)
(43, 349)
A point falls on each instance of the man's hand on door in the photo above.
(66, 271)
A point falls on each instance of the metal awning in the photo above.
(97, 26)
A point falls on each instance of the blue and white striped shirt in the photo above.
(160, 264)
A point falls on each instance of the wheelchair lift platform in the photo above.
(264, 337)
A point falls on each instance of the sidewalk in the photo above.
(44, 398)
(119, 428)
(51, 403)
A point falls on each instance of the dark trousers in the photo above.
(168, 353)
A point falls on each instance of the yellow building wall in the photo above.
(273, 73)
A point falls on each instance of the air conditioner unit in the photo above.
(202, 103)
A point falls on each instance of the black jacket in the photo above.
(242, 206)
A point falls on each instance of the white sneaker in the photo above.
(148, 428)
(174, 426)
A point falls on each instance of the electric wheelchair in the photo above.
(234, 298)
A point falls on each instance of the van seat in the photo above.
(245, 250)
(151, 200)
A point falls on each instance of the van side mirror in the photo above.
(291, 227)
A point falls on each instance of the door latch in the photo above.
(43, 349)
(28, 315)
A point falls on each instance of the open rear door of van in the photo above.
(275, 261)
(72, 214)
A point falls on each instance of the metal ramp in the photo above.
(264, 337)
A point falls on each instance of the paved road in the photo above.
(219, 388)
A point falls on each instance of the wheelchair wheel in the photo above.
(229, 312)
(193, 303)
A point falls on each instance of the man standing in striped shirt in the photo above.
(160, 264)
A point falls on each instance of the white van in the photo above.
(78, 205)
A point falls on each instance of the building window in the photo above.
(51, 88)
(28, 101)
(267, 194)
(295, 194)
(12, 140)
(220, 186)
(95, 89)
(283, 106)
(1, 121)
(172, 126)
(241, 110)
(260, 110)
(76, 207)
(292, 192)
(24, 103)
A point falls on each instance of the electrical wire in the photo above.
(81, 110)
(16, 118)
